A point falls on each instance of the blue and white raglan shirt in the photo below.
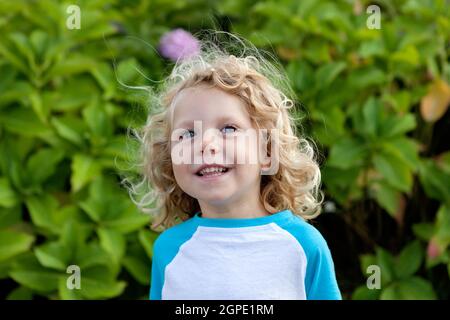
(279, 256)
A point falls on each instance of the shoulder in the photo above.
(172, 238)
(308, 236)
(320, 277)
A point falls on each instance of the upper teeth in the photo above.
(212, 169)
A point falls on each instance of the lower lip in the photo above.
(213, 177)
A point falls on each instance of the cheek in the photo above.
(181, 173)
(247, 173)
(245, 151)
(183, 178)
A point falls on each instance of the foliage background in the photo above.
(375, 102)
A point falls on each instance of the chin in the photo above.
(215, 199)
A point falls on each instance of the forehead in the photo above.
(207, 104)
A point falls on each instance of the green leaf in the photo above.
(39, 41)
(347, 153)
(119, 146)
(372, 48)
(29, 273)
(41, 109)
(24, 47)
(8, 80)
(395, 126)
(128, 71)
(14, 58)
(434, 181)
(12, 154)
(90, 255)
(330, 124)
(10, 216)
(74, 93)
(365, 77)
(400, 101)
(70, 128)
(20, 293)
(408, 55)
(13, 243)
(109, 205)
(8, 196)
(413, 288)
(128, 222)
(93, 209)
(443, 223)
(4, 269)
(301, 75)
(84, 170)
(65, 292)
(342, 184)
(41, 209)
(386, 263)
(96, 26)
(367, 260)
(147, 239)
(72, 65)
(387, 197)
(43, 164)
(404, 149)
(16, 93)
(53, 255)
(23, 122)
(98, 283)
(138, 268)
(424, 231)
(98, 120)
(74, 235)
(371, 113)
(391, 292)
(112, 242)
(443, 162)
(364, 293)
(409, 260)
(326, 74)
(394, 171)
(105, 77)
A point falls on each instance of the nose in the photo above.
(211, 142)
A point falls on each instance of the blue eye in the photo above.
(227, 129)
(187, 134)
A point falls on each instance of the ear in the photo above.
(269, 155)
(270, 163)
(265, 160)
(266, 165)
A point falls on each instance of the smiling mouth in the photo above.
(212, 171)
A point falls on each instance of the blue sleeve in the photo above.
(165, 248)
(320, 282)
(157, 280)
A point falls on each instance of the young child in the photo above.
(234, 228)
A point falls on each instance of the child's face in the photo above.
(224, 121)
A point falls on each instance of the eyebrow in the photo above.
(185, 123)
(222, 119)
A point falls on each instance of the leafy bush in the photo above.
(375, 101)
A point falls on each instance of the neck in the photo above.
(244, 209)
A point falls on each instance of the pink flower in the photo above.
(433, 250)
(178, 44)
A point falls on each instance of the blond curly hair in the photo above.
(266, 92)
